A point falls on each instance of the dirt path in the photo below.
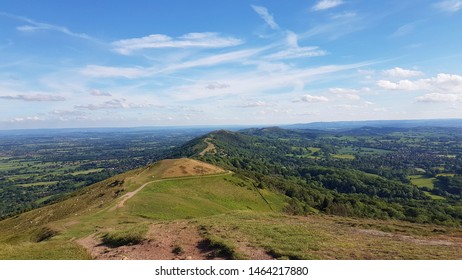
(210, 147)
(129, 195)
(178, 240)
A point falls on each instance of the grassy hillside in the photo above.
(172, 189)
(188, 209)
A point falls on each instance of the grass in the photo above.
(421, 181)
(275, 233)
(197, 197)
(344, 156)
(49, 250)
(128, 236)
(39, 184)
(436, 197)
(85, 172)
(446, 174)
(325, 237)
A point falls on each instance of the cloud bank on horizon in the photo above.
(88, 64)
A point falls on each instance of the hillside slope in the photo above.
(188, 209)
(126, 207)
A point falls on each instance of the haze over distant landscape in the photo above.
(148, 63)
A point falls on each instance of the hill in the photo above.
(233, 209)
(126, 208)
(346, 125)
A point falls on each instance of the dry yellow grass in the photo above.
(185, 167)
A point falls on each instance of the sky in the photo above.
(132, 63)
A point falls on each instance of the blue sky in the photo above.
(210, 62)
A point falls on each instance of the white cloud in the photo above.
(246, 82)
(97, 92)
(439, 97)
(34, 97)
(26, 119)
(256, 104)
(295, 51)
(327, 4)
(292, 39)
(216, 85)
(347, 107)
(401, 85)
(312, 99)
(298, 53)
(107, 71)
(442, 88)
(448, 83)
(398, 72)
(442, 81)
(66, 113)
(346, 93)
(343, 91)
(266, 16)
(451, 6)
(344, 15)
(214, 60)
(115, 104)
(190, 40)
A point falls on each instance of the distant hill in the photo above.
(346, 125)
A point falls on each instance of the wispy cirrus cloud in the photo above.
(295, 51)
(100, 71)
(121, 103)
(109, 71)
(34, 97)
(450, 6)
(33, 25)
(404, 30)
(266, 16)
(190, 40)
(326, 4)
(298, 53)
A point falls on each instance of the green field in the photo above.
(422, 181)
(344, 156)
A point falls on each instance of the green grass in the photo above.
(274, 233)
(49, 250)
(39, 184)
(134, 234)
(446, 174)
(85, 172)
(325, 237)
(344, 156)
(436, 197)
(422, 181)
(197, 197)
